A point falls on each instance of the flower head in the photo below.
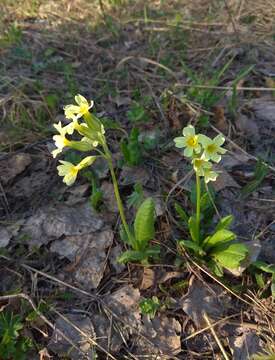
(69, 171)
(200, 165)
(60, 140)
(210, 175)
(189, 141)
(76, 111)
(212, 147)
(204, 168)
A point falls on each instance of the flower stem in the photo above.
(198, 210)
(116, 191)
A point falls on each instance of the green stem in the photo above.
(198, 210)
(116, 191)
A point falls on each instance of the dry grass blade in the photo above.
(215, 337)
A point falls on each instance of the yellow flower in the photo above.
(69, 171)
(204, 168)
(60, 140)
(200, 165)
(212, 147)
(210, 175)
(189, 141)
(76, 111)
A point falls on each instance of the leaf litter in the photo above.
(83, 243)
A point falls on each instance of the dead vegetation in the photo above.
(156, 66)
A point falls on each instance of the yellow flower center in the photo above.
(66, 142)
(192, 141)
(83, 109)
(212, 148)
(198, 163)
(74, 170)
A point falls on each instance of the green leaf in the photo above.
(131, 255)
(268, 268)
(131, 148)
(144, 224)
(215, 267)
(181, 213)
(224, 223)
(193, 229)
(220, 237)
(124, 237)
(260, 280)
(231, 256)
(149, 306)
(192, 245)
(136, 198)
(261, 170)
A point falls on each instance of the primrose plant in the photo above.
(92, 139)
(218, 248)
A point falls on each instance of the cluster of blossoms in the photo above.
(202, 150)
(91, 132)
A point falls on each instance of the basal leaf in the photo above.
(224, 223)
(231, 256)
(268, 268)
(181, 213)
(193, 229)
(131, 255)
(144, 224)
(220, 237)
(192, 245)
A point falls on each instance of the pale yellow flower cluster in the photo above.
(91, 131)
(202, 150)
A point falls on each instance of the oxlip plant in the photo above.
(91, 138)
(218, 248)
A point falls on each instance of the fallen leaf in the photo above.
(224, 179)
(203, 298)
(246, 345)
(133, 175)
(148, 278)
(14, 166)
(50, 223)
(62, 347)
(162, 337)
(124, 302)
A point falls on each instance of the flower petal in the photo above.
(180, 142)
(204, 140)
(70, 178)
(86, 162)
(216, 157)
(189, 131)
(219, 140)
(81, 100)
(188, 152)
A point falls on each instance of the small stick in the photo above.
(215, 336)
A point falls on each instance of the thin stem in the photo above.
(198, 210)
(116, 191)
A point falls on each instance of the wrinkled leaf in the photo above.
(193, 229)
(192, 245)
(231, 256)
(220, 237)
(144, 224)
(224, 223)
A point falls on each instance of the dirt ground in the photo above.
(155, 66)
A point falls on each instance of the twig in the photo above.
(215, 336)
